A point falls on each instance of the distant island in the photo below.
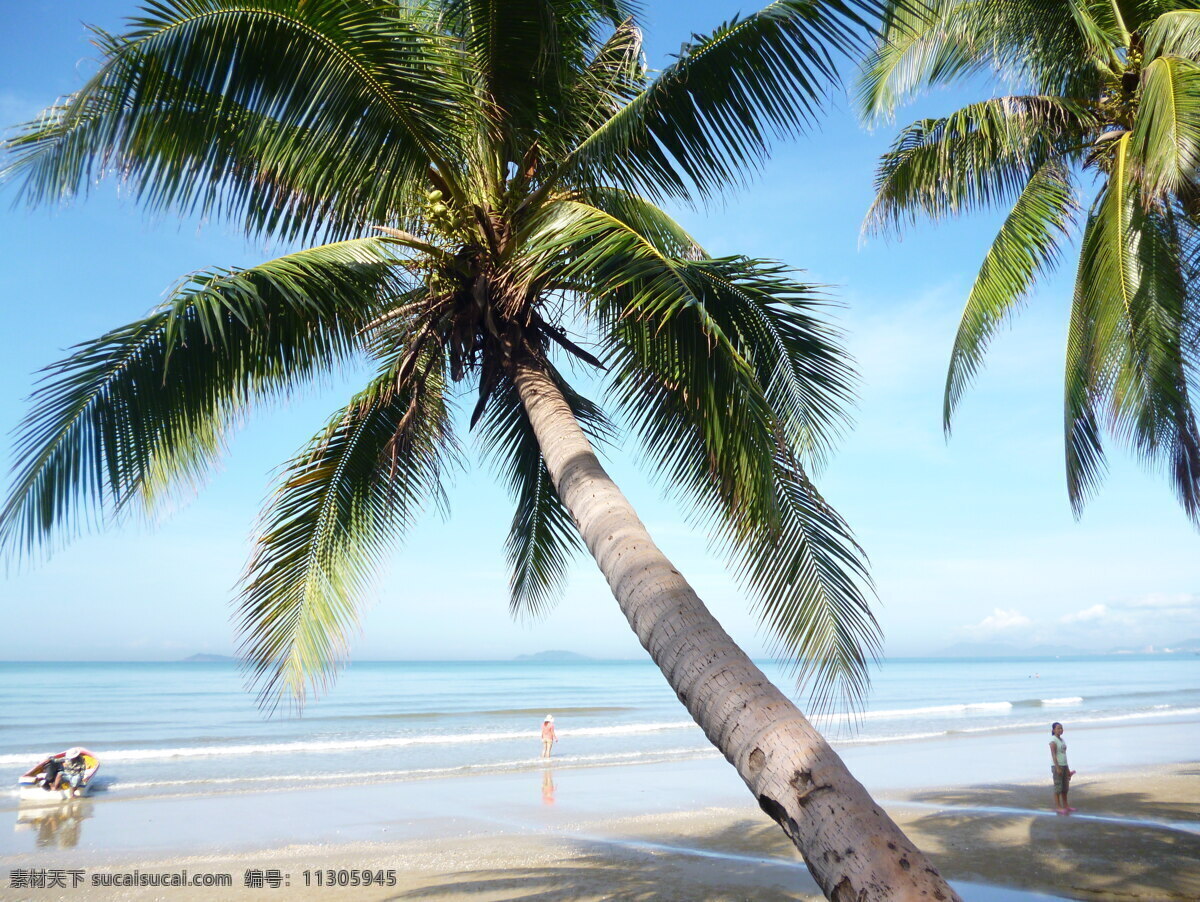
(1185, 647)
(209, 659)
(552, 657)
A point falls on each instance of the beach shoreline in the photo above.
(1136, 836)
(430, 772)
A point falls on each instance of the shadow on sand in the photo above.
(1123, 845)
(746, 860)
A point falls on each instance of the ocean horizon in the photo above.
(536, 658)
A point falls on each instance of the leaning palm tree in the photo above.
(1107, 104)
(485, 177)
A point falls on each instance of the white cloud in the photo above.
(1152, 619)
(1163, 601)
(1000, 621)
(1095, 612)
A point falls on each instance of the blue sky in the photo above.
(970, 540)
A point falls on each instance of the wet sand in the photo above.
(1136, 837)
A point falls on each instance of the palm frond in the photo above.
(145, 406)
(1166, 409)
(809, 582)
(1027, 243)
(543, 537)
(921, 45)
(707, 121)
(527, 59)
(1127, 355)
(722, 423)
(298, 115)
(1175, 33)
(729, 377)
(777, 342)
(1166, 133)
(980, 156)
(342, 502)
(643, 218)
(1077, 40)
(614, 76)
(1086, 465)
(938, 42)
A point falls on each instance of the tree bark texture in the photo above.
(853, 849)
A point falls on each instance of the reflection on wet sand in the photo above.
(57, 826)
(548, 787)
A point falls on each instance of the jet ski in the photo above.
(36, 784)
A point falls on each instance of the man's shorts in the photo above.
(1062, 778)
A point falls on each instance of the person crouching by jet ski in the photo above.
(51, 775)
(72, 771)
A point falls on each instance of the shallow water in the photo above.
(163, 729)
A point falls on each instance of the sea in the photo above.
(180, 729)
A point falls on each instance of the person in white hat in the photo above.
(549, 737)
(73, 770)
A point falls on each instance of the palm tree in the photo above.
(1107, 107)
(485, 176)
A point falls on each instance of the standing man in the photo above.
(1059, 769)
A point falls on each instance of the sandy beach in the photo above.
(1136, 836)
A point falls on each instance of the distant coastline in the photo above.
(554, 656)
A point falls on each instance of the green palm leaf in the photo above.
(725, 433)
(145, 406)
(1127, 354)
(528, 58)
(925, 45)
(1175, 33)
(1027, 243)
(632, 248)
(342, 501)
(729, 378)
(1116, 92)
(1165, 425)
(921, 44)
(198, 104)
(613, 77)
(614, 208)
(1166, 133)
(543, 538)
(980, 156)
(707, 120)
(808, 580)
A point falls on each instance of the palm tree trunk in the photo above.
(853, 849)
